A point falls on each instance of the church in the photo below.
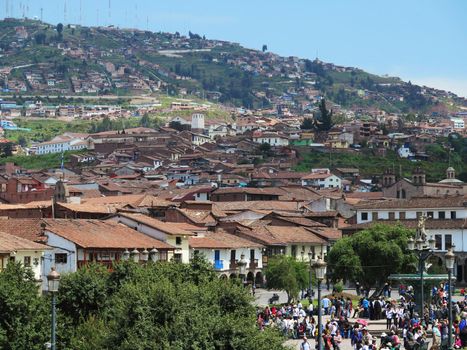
(418, 187)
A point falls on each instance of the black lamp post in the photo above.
(320, 270)
(423, 247)
(53, 281)
(449, 259)
(310, 288)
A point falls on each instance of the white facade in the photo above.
(271, 139)
(329, 181)
(197, 121)
(458, 123)
(59, 145)
(61, 247)
(225, 256)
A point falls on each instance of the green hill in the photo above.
(43, 59)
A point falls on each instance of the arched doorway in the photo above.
(250, 277)
(233, 276)
(259, 280)
(223, 276)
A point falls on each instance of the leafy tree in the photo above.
(60, 28)
(323, 119)
(288, 274)
(145, 121)
(40, 38)
(371, 255)
(265, 48)
(22, 141)
(25, 320)
(307, 124)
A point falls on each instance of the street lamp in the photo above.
(53, 282)
(135, 255)
(310, 288)
(153, 254)
(144, 255)
(423, 248)
(449, 259)
(320, 271)
(242, 267)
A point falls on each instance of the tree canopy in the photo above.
(287, 274)
(152, 306)
(323, 119)
(371, 255)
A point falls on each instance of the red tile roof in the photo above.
(102, 234)
(10, 243)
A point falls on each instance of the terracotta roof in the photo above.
(10, 243)
(171, 228)
(420, 202)
(365, 195)
(222, 240)
(89, 208)
(430, 224)
(102, 234)
(204, 217)
(29, 229)
(301, 221)
(327, 233)
(249, 190)
(257, 205)
(282, 235)
(136, 200)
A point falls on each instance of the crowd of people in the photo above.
(347, 319)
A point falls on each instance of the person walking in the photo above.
(305, 345)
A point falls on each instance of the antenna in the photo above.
(6, 8)
(147, 22)
(64, 12)
(110, 14)
(42, 13)
(80, 12)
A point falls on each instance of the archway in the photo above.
(259, 280)
(250, 277)
(223, 276)
(233, 276)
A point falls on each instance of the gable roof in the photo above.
(281, 235)
(222, 240)
(29, 229)
(416, 203)
(102, 234)
(170, 228)
(10, 243)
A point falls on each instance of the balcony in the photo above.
(218, 264)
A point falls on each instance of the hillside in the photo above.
(43, 59)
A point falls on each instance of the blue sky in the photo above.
(424, 41)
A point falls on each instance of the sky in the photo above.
(424, 41)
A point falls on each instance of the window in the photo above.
(391, 215)
(419, 214)
(178, 257)
(453, 215)
(447, 242)
(233, 254)
(430, 214)
(374, 215)
(294, 251)
(442, 215)
(402, 215)
(438, 242)
(178, 240)
(364, 216)
(61, 258)
(27, 261)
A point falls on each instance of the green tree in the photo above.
(145, 121)
(307, 124)
(323, 119)
(371, 255)
(287, 274)
(25, 320)
(265, 48)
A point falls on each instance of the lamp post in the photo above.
(449, 259)
(53, 281)
(310, 288)
(423, 247)
(320, 270)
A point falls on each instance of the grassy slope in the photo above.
(371, 165)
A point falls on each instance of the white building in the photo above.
(17, 249)
(172, 233)
(224, 251)
(322, 178)
(273, 139)
(61, 144)
(458, 123)
(447, 222)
